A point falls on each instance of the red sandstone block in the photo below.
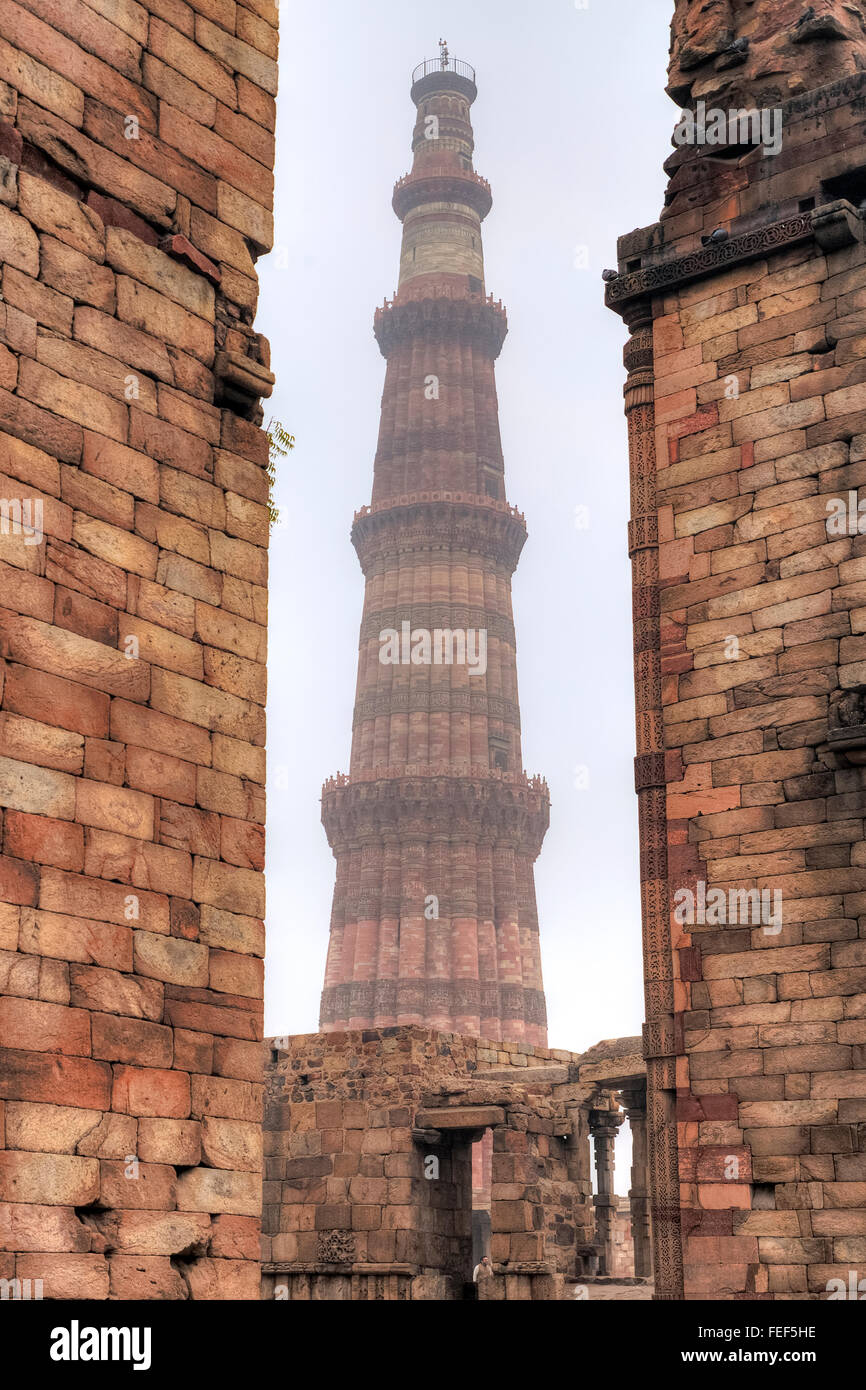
(233, 1144)
(151, 1091)
(93, 987)
(131, 1040)
(138, 1187)
(27, 464)
(170, 1141)
(52, 699)
(115, 545)
(225, 886)
(219, 1190)
(236, 974)
(19, 248)
(20, 591)
(232, 931)
(235, 1237)
(203, 705)
(66, 1276)
(28, 1024)
(223, 1279)
(193, 1051)
(226, 1098)
(44, 840)
(84, 616)
(185, 920)
(139, 1277)
(224, 1022)
(159, 647)
(242, 843)
(85, 573)
(110, 807)
(160, 775)
(197, 832)
(162, 733)
(76, 938)
(19, 882)
(55, 1079)
(235, 1058)
(170, 958)
(154, 1232)
(25, 1226)
(104, 761)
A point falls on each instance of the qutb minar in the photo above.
(436, 828)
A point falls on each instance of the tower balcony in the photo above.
(441, 183)
(441, 309)
(443, 75)
(415, 802)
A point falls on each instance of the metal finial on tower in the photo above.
(443, 52)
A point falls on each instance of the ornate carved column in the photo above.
(659, 1037)
(639, 1200)
(603, 1125)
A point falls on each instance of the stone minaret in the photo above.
(436, 828)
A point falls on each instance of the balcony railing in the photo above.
(453, 65)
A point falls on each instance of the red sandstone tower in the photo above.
(436, 828)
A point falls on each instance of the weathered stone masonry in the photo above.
(135, 194)
(746, 399)
(368, 1145)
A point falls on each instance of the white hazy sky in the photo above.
(571, 128)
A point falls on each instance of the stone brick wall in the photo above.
(136, 147)
(352, 1207)
(747, 404)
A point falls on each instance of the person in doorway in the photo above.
(482, 1270)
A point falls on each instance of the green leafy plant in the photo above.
(279, 444)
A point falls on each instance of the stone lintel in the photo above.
(461, 1117)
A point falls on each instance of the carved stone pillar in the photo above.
(639, 1201)
(603, 1127)
(659, 1036)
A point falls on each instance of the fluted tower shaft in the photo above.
(436, 827)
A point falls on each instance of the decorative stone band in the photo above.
(446, 521)
(475, 320)
(833, 224)
(430, 616)
(649, 771)
(442, 185)
(392, 998)
(479, 809)
(396, 701)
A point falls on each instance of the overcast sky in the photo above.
(571, 128)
